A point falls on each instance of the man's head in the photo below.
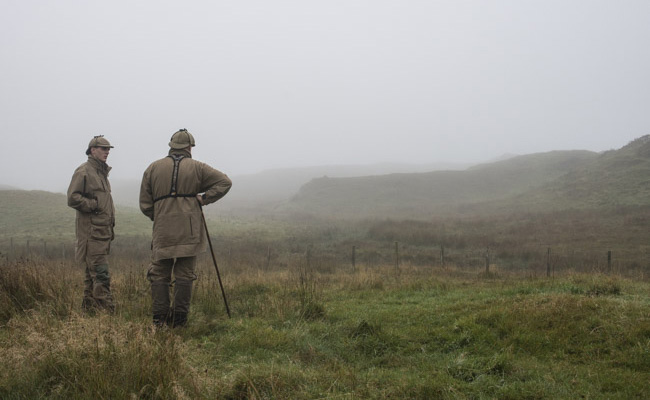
(99, 148)
(181, 140)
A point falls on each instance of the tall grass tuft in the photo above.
(93, 357)
(25, 286)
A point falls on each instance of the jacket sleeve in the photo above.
(146, 196)
(214, 184)
(77, 193)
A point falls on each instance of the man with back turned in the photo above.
(172, 192)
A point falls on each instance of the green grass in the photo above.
(303, 333)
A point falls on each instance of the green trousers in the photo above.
(97, 288)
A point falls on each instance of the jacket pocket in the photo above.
(176, 229)
(101, 220)
(101, 232)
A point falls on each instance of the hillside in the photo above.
(43, 214)
(270, 187)
(425, 194)
(35, 213)
(553, 181)
(615, 178)
(262, 191)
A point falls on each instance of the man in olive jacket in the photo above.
(172, 192)
(90, 194)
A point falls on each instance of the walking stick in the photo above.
(214, 260)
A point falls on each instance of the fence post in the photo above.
(609, 261)
(396, 255)
(442, 255)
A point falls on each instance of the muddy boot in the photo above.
(160, 321)
(178, 320)
(182, 298)
(160, 302)
(88, 306)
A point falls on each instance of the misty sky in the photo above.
(264, 84)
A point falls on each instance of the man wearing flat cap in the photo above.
(90, 194)
(172, 192)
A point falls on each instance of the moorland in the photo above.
(520, 278)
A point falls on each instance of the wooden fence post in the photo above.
(396, 255)
(609, 261)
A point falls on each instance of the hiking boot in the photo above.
(178, 320)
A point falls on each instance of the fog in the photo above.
(289, 83)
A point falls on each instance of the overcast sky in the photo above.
(264, 84)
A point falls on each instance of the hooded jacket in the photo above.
(90, 194)
(169, 200)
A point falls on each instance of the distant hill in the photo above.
(615, 178)
(35, 213)
(433, 193)
(8, 187)
(269, 188)
(553, 181)
(41, 214)
(263, 191)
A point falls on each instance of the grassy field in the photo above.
(519, 304)
(311, 330)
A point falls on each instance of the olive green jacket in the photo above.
(90, 194)
(176, 215)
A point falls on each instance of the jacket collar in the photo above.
(100, 166)
(181, 152)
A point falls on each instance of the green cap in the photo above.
(181, 140)
(98, 141)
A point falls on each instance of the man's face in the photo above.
(100, 153)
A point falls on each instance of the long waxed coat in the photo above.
(177, 221)
(90, 194)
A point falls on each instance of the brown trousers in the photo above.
(160, 276)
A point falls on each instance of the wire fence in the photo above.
(536, 260)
